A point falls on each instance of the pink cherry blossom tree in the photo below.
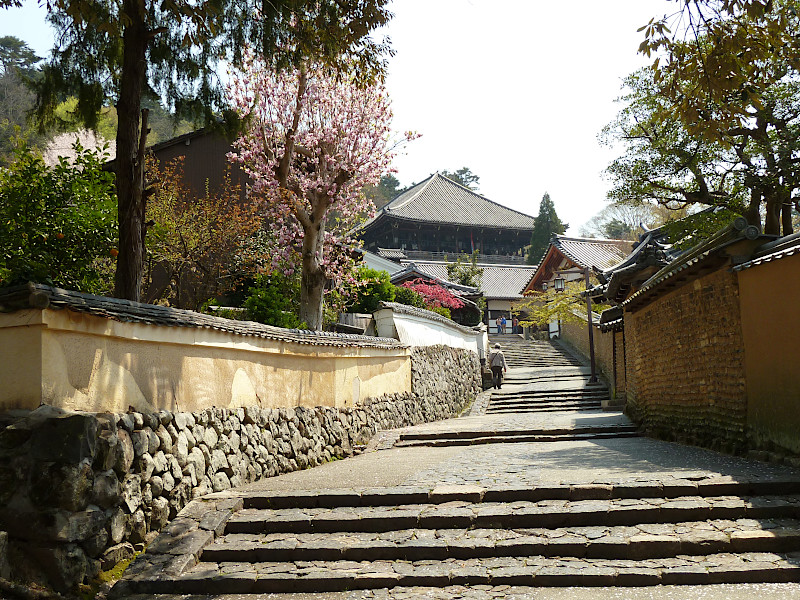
(313, 140)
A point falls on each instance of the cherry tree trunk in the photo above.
(312, 280)
(130, 156)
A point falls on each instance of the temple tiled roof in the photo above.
(687, 264)
(498, 282)
(591, 252)
(781, 248)
(41, 296)
(440, 200)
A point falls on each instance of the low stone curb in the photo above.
(473, 433)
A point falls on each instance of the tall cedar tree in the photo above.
(545, 225)
(118, 52)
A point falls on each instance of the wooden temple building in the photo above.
(440, 216)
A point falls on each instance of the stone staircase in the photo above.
(531, 353)
(543, 377)
(636, 533)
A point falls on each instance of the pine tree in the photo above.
(544, 226)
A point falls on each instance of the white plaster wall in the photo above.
(414, 330)
(83, 362)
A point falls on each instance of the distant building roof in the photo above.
(392, 253)
(590, 252)
(498, 282)
(379, 263)
(437, 199)
(599, 254)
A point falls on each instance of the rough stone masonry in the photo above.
(80, 492)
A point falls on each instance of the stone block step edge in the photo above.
(260, 521)
(638, 547)
(514, 439)
(467, 434)
(209, 580)
(399, 496)
(180, 544)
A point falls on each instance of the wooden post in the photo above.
(593, 378)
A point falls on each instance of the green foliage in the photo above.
(545, 225)
(729, 79)
(542, 308)
(373, 287)
(692, 229)
(404, 295)
(441, 310)
(464, 176)
(465, 271)
(17, 64)
(383, 193)
(57, 224)
(275, 300)
(17, 56)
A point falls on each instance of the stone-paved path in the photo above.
(507, 504)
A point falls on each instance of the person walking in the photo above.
(497, 363)
(503, 324)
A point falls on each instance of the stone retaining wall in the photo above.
(81, 491)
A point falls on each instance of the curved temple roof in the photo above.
(440, 200)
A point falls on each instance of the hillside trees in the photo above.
(17, 62)
(545, 225)
(117, 52)
(314, 140)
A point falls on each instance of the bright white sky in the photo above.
(516, 90)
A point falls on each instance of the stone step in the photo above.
(531, 402)
(471, 433)
(624, 542)
(522, 514)
(626, 490)
(506, 438)
(329, 576)
(554, 393)
(558, 407)
(514, 400)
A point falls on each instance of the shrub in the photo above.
(275, 300)
(372, 288)
(58, 225)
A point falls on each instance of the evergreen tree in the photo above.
(464, 176)
(545, 225)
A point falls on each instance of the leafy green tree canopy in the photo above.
(387, 190)
(16, 55)
(465, 271)
(545, 225)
